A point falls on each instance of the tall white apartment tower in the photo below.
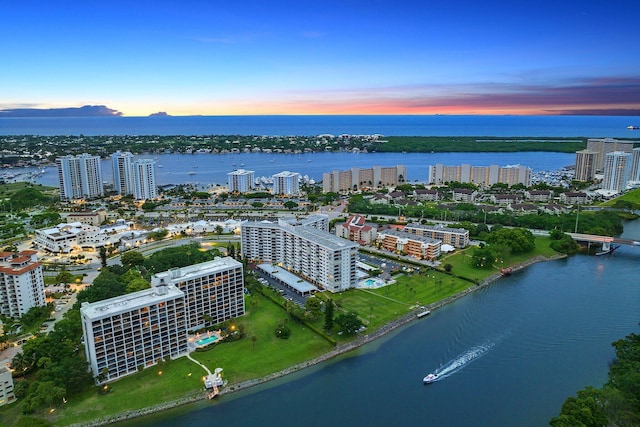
(144, 177)
(240, 181)
(635, 165)
(21, 283)
(617, 168)
(79, 177)
(130, 332)
(122, 165)
(287, 183)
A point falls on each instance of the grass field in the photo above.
(630, 196)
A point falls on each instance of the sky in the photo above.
(215, 57)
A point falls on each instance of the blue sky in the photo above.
(323, 57)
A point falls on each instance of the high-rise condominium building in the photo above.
(617, 168)
(287, 183)
(240, 181)
(325, 260)
(134, 177)
(133, 331)
(604, 146)
(213, 288)
(358, 179)
(79, 177)
(122, 165)
(585, 165)
(21, 283)
(144, 177)
(484, 176)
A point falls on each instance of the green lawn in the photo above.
(630, 196)
(241, 360)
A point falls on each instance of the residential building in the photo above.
(505, 199)
(212, 289)
(6, 386)
(586, 164)
(358, 179)
(464, 195)
(635, 165)
(419, 247)
(356, 229)
(428, 195)
(122, 165)
(604, 146)
(144, 179)
(79, 177)
(240, 181)
(94, 218)
(484, 176)
(134, 331)
(64, 238)
(617, 168)
(538, 195)
(574, 198)
(21, 283)
(287, 183)
(326, 261)
(456, 237)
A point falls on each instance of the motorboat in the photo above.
(430, 378)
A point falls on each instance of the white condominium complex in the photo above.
(133, 331)
(6, 386)
(125, 333)
(604, 146)
(585, 165)
(617, 168)
(79, 177)
(213, 288)
(287, 183)
(144, 176)
(325, 260)
(358, 179)
(456, 237)
(484, 176)
(240, 181)
(134, 177)
(21, 283)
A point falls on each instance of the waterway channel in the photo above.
(508, 354)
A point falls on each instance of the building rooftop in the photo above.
(288, 278)
(128, 302)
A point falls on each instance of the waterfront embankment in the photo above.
(337, 351)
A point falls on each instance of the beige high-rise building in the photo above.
(604, 146)
(585, 165)
(21, 283)
(358, 179)
(483, 176)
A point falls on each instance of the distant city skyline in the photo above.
(327, 57)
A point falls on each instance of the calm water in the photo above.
(587, 126)
(207, 169)
(508, 354)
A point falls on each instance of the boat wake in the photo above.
(462, 360)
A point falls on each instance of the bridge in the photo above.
(606, 241)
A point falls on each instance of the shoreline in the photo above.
(337, 351)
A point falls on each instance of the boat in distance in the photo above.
(430, 378)
(631, 127)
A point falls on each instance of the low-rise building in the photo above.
(538, 195)
(356, 229)
(419, 247)
(427, 195)
(464, 194)
(456, 237)
(574, 198)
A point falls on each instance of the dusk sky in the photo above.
(323, 57)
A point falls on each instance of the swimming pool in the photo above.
(206, 341)
(372, 283)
